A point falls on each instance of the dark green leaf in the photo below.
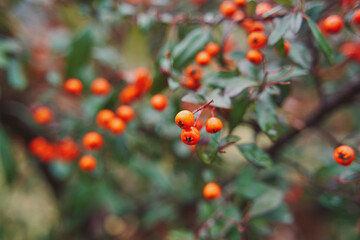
(186, 50)
(237, 113)
(193, 98)
(324, 45)
(268, 201)
(80, 52)
(255, 155)
(6, 157)
(229, 139)
(16, 75)
(238, 85)
(281, 28)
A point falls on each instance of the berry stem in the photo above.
(342, 181)
(203, 107)
(198, 117)
(212, 112)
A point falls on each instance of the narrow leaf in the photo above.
(324, 45)
(186, 50)
(281, 28)
(6, 157)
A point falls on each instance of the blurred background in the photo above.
(148, 184)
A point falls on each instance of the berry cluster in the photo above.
(190, 134)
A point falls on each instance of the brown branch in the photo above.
(341, 97)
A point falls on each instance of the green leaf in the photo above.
(193, 98)
(255, 155)
(16, 75)
(266, 116)
(285, 2)
(220, 100)
(237, 85)
(247, 186)
(6, 157)
(324, 45)
(281, 28)
(272, 11)
(268, 201)
(237, 55)
(239, 108)
(80, 52)
(185, 51)
(300, 55)
(296, 22)
(281, 214)
(173, 85)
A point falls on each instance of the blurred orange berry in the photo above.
(194, 72)
(43, 115)
(103, 117)
(100, 86)
(87, 163)
(212, 48)
(212, 191)
(92, 141)
(227, 8)
(333, 24)
(159, 102)
(125, 112)
(203, 58)
(73, 86)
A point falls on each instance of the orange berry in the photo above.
(68, 149)
(212, 48)
(254, 56)
(257, 40)
(287, 47)
(129, 94)
(185, 119)
(194, 72)
(333, 24)
(203, 58)
(37, 144)
(190, 83)
(100, 86)
(87, 163)
(256, 26)
(159, 102)
(212, 191)
(356, 16)
(344, 155)
(41, 148)
(240, 3)
(103, 117)
(143, 79)
(117, 126)
(227, 8)
(213, 125)
(190, 136)
(43, 115)
(238, 16)
(125, 112)
(73, 86)
(92, 141)
(262, 8)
